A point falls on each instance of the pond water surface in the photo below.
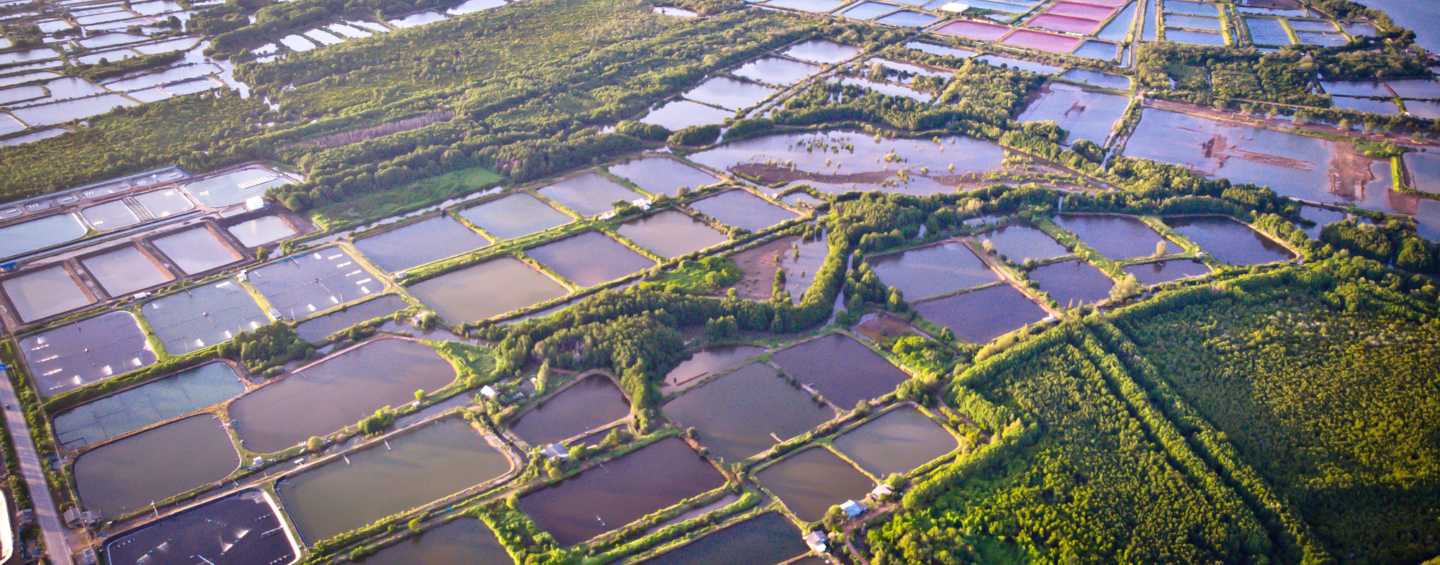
(338, 392)
(671, 234)
(1116, 237)
(419, 243)
(45, 292)
(588, 404)
(982, 315)
(154, 465)
(741, 414)
(708, 361)
(151, 403)
(776, 71)
(729, 93)
(1166, 271)
(589, 194)
(896, 442)
(1072, 283)
(1230, 241)
(261, 231)
(1019, 243)
(125, 270)
(203, 316)
(763, 540)
(590, 258)
(305, 283)
(486, 290)
(931, 271)
(414, 469)
(812, 481)
(319, 328)
(34, 235)
(676, 115)
(464, 541)
(843, 369)
(659, 175)
(743, 210)
(88, 351)
(624, 490)
(241, 529)
(196, 250)
(517, 215)
(1086, 115)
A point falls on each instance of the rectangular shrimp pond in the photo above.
(202, 316)
(981, 315)
(745, 412)
(671, 234)
(422, 242)
(743, 210)
(303, 284)
(813, 480)
(463, 541)
(766, 539)
(45, 292)
(516, 215)
(242, 529)
(488, 289)
(932, 271)
(590, 259)
(196, 250)
(589, 403)
(336, 392)
(1230, 241)
(129, 474)
(401, 473)
(126, 269)
(627, 488)
(897, 441)
(318, 328)
(588, 194)
(842, 369)
(87, 351)
(148, 404)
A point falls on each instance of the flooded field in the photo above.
(125, 270)
(743, 413)
(659, 175)
(709, 361)
(34, 235)
(303, 284)
(624, 490)
(590, 258)
(588, 404)
(671, 234)
(932, 271)
(419, 243)
(1086, 115)
(337, 392)
(763, 540)
(464, 541)
(321, 327)
(982, 315)
(203, 316)
(235, 186)
(486, 290)
(414, 469)
(812, 481)
(841, 161)
(1166, 271)
(776, 71)
(154, 465)
(238, 530)
(1321, 217)
(843, 369)
(45, 292)
(196, 250)
(729, 93)
(1020, 243)
(897, 442)
(88, 351)
(148, 404)
(1230, 241)
(261, 231)
(679, 114)
(1423, 171)
(743, 210)
(517, 215)
(589, 194)
(800, 259)
(1116, 237)
(1072, 283)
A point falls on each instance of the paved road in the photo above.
(55, 545)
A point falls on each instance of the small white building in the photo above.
(816, 540)
(488, 392)
(555, 451)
